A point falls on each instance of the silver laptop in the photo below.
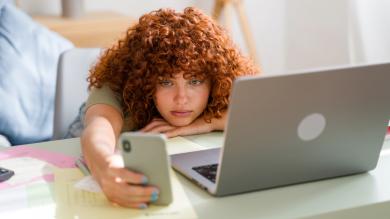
(296, 128)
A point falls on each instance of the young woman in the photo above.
(172, 73)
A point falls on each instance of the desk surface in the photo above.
(357, 196)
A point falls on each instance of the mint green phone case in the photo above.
(147, 154)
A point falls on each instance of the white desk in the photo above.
(357, 196)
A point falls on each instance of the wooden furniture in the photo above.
(225, 5)
(95, 29)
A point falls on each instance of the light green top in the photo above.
(105, 95)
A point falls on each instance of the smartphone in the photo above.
(5, 174)
(146, 153)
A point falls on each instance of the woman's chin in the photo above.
(180, 122)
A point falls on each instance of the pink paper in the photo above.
(56, 159)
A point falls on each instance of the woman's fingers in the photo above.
(143, 194)
(134, 196)
(130, 205)
(158, 126)
(154, 123)
(197, 127)
(115, 171)
(131, 177)
(118, 190)
(124, 187)
(161, 129)
(180, 131)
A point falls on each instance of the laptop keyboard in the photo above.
(208, 171)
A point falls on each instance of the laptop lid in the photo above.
(296, 128)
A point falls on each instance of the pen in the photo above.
(81, 165)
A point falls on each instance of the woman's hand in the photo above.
(124, 187)
(198, 126)
(158, 125)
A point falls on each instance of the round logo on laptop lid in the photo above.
(311, 127)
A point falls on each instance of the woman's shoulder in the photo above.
(104, 95)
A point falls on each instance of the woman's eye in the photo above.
(165, 83)
(195, 81)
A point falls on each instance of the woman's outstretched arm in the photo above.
(103, 124)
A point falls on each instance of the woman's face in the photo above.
(180, 101)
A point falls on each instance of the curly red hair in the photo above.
(164, 43)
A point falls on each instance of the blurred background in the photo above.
(282, 36)
(289, 35)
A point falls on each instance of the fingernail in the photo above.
(144, 180)
(154, 197)
(155, 191)
(142, 206)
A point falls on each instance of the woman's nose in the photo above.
(181, 96)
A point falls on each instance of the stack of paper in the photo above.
(76, 203)
(30, 191)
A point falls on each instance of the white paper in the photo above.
(88, 183)
(27, 169)
(13, 199)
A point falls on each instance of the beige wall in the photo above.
(290, 34)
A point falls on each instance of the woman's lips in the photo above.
(181, 113)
